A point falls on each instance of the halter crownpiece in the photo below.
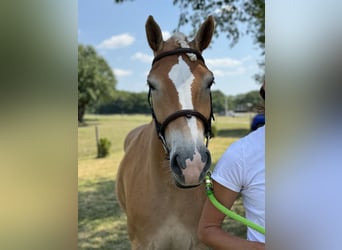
(178, 51)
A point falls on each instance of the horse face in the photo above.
(189, 157)
(182, 82)
(185, 86)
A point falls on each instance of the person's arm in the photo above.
(210, 230)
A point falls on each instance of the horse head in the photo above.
(180, 98)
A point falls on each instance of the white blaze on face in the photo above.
(181, 76)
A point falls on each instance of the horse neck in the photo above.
(152, 136)
(157, 155)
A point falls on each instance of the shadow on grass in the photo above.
(89, 122)
(240, 132)
(101, 222)
(235, 227)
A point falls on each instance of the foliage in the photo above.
(103, 147)
(243, 102)
(229, 15)
(218, 99)
(136, 103)
(124, 102)
(233, 18)
(96, 81)
(247, 102)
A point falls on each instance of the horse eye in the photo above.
(211, 83)
(150, 85)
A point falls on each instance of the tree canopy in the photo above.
(233, 17)
(230, 17)
(124, 102)
(96, 81)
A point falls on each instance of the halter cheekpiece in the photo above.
(187, 113)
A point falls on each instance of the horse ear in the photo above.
(204, 34)
(154, 34)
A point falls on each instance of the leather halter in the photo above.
(178, 51)
(188, 113)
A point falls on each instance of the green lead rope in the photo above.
(226, 211)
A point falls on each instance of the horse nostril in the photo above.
(206, 157)
(180, 162)
(176, 164)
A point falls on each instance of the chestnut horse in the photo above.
(160, 178)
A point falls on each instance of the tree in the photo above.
(125, 102)
(96, 81)
(234, 18)
(218, 100)
(229, 15)
(248, 102)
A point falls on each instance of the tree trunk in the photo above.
(81, 111)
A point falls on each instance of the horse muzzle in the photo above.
(190, 171)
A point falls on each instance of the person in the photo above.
(240, 170)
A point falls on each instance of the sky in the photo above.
(117, 32)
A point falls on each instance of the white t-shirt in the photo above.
(242, 169)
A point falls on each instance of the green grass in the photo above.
(101, 222)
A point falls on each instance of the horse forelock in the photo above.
(181, 39)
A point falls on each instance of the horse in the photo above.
(159, 182)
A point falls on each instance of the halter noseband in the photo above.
(188, 113)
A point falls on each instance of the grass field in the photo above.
(101, 223)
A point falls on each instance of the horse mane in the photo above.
(181, 40)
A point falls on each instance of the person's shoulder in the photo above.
(258, 134)
(254, 139)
